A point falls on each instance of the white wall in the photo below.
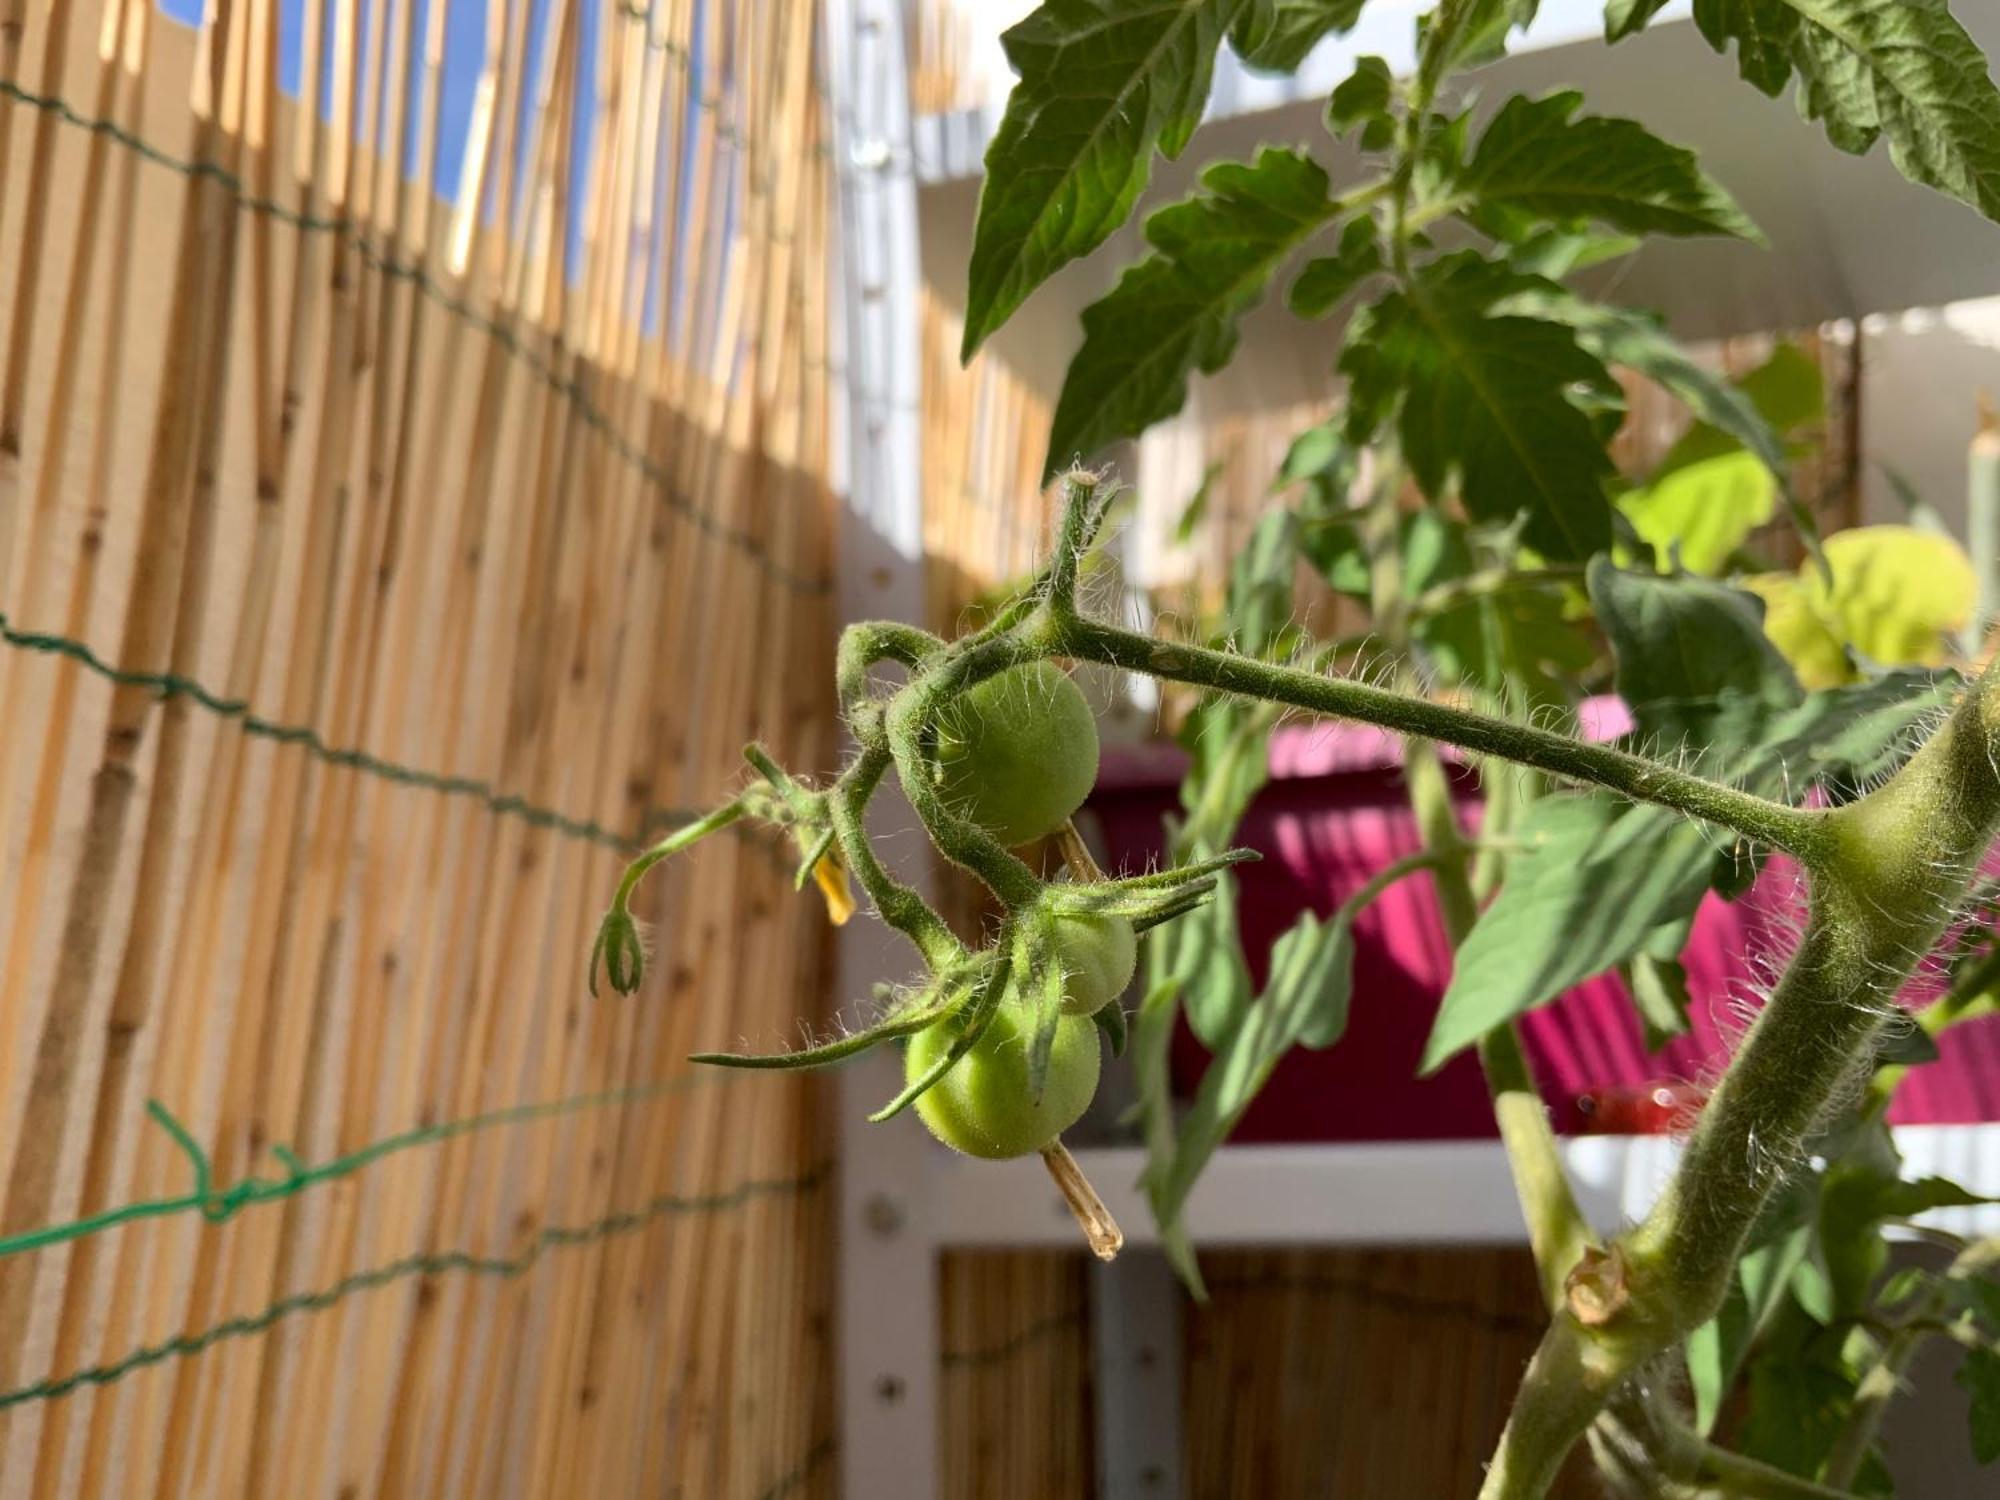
(1922, 371)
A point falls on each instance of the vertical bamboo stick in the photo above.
(28, 269)
(41, 572)
(241, 1117)
(120, 91)
(190, 403)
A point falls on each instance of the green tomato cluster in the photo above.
(1017, 755)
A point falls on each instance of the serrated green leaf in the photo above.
(1693, 662)
(1752, 415)
(1557, 253)
(1904, 69)
(1516, 643)
(1201, 955)
(1591, 883)
(1327, 279)
(1479, 37)
(1716, 1352)
(1703, 495)
(1979, 1377)
(1102, 84)
(1856, 1199)
(1801, 1392)
(1624, 17)
(1537, 161)
(1312, 978)
(1152, 1076)
(1304, 1002)
(1175, 312)
(1856, 734)
(1276, 35)
(1485, 398)
(1361, 98)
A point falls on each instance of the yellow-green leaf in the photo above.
(1897, 594)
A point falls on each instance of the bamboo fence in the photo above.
(1014, 1376)
(377, 571)
(1357, 1372)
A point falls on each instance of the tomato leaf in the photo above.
(1867, 69)
(1693, 662)
(1591, 884)
(1200, 954)
(1362, 98)
(1731, 417)
(1484, 397)
(1623, 17)
(1304, 1002)
(1175, 311)
(1857, 1198)
(1716, 1351)
(1102, 85)
(1801, 1394)
(1659, 987)
(1152, 1075)
(1598, 878)
(1979, 1376)
(1853, 736)
(1327, 279)
(1276, 35)
(1537, 161)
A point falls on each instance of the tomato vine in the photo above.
(1477, 375)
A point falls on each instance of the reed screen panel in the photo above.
(414, 490)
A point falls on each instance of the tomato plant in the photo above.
(1478, 382)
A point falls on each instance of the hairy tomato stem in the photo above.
(898, 905)
(1797, 831)
(911, 712)
(1896, 865)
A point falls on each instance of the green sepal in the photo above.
(971, 1022)
(1110, 1020)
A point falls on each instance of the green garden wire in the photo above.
(172, 685)
(570, 389)
(554, 1236)
(216, 1205)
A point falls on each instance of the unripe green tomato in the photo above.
(1097, 955)
(982, 1107)
(1017, 754)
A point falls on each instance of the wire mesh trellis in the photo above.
(373, 570)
